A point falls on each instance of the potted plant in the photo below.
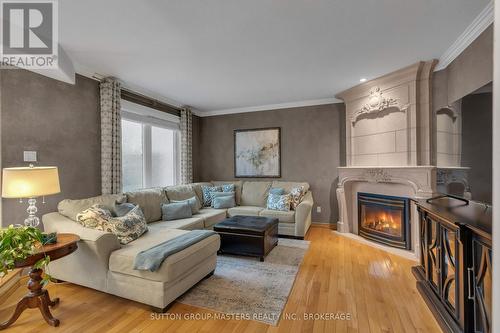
(17, 243)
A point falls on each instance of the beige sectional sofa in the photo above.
(102, 263)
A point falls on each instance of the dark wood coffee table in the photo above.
(37, 297)
(252, 236)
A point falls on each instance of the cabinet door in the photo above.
(433, 254)
(423, 242)
(480, 282)
(450, 269)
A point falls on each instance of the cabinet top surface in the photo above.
(475, 215)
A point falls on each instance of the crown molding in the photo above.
(130, 86)
(480, 23)
(267, 107)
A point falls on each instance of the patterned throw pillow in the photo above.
(296, 194)
(278, 202)
(207, 197)
(130, 226)
(96, 217)
(127, 228)
(228, 188)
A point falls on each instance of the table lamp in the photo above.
(29, 183)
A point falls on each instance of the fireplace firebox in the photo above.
(384, 219)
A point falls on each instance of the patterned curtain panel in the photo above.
(111, 137)
(186, 146)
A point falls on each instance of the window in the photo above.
(150, 150)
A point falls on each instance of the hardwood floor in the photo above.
(338, 275)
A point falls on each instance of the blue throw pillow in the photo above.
(192, 202)
(221, 195)
(278, 202)
(176, 211)
(228, 188)
(122, 209)
(207, 194)
(223, 202)
(277, 190)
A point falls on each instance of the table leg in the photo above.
(36, 298)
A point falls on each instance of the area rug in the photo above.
(245, 288)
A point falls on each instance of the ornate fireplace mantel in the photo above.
(420, 180)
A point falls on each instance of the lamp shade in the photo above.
(30, 182)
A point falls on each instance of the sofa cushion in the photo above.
(237, 187)
(182, 192)
(150, 201)
(190, 223)
(211, 216)
(244, 210)
(70, 208)
(286, 217)
(287, 186)
(255, 193)
(175, 266)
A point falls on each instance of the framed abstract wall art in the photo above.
(257, 153)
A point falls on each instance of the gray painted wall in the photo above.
(477, 140)
(311, 139)
(58, 120)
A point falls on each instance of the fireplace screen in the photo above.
(384, 219)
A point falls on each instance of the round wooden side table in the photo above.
(38, 297)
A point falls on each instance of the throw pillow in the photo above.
(193, 203)
(228, 188)
(278, 202)
(176, 211)
(96, 217)
(221, 195)
(277, 190)
(297, 194)
(182, 192)
(207, 196)
(127, 228)
(224, 202)
(130, 226)
(122, 209)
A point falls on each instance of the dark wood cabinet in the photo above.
(454, 274)
(480, 277)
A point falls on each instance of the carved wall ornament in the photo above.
(376, 103)
(377, 176)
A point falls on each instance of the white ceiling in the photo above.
(226, 54)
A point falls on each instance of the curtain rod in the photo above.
(133, 97)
